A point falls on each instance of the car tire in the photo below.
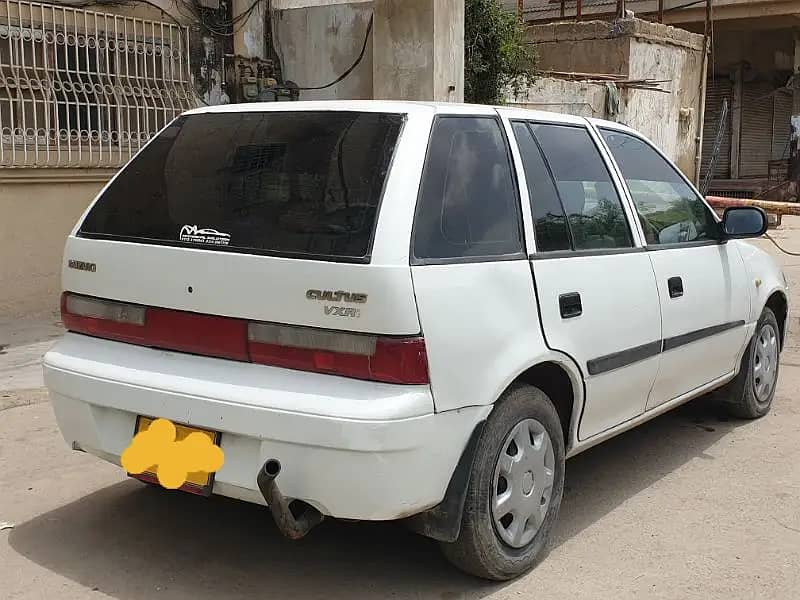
(752, 391)
(490, 545)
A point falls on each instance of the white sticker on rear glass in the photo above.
(193, 235)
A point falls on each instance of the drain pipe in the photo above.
(291, 526)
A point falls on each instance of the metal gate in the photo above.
(80, 88)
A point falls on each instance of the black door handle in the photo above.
(675, 286)
(570, 305)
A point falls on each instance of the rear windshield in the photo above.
(303, 184)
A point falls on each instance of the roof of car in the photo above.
(391, 106)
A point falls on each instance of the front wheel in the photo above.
(515, 488)
(753, 390)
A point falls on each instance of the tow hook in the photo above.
(292, 524)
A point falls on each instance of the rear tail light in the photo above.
(392, 360)
(374, 358)
(103, 318)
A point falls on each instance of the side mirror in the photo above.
(744, 222)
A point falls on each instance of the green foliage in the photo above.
(496, 57)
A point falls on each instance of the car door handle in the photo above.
(570, 305)
(675, 286)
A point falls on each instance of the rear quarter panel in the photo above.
(481, 327)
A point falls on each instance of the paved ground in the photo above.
(691, 505)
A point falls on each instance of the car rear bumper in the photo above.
(353, 449)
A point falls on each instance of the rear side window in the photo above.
(550, 221)
(468, 205)
(591, 202)
(298, 184)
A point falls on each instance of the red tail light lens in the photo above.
(374, 358)
(103, 318)
(390, 360)
(156, 327)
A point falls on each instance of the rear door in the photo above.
(288, 215)
(702, 283)
(471, 274)
(595, 285)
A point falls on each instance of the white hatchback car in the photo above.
(409, 311)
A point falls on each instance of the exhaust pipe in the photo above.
(291, 525)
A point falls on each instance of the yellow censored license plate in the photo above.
(196, 483)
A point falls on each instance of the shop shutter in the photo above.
(756, 141)
(781, 126)
(716, 91)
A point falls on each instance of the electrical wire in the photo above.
(352, 68)
(166, 12)
(686, 5)
(778, 246)
(192, 9)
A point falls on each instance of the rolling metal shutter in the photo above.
(716, 91)
(781, 126)
(757, 118)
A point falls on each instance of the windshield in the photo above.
(304, 184)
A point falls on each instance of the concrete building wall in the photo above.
(39, 208)
(416, 50)
(577, 98)
(588, 47)
(419, 50)
(633, 49)
(448, 35)
(672, 120)
(317, 44)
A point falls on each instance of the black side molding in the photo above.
(693, 336)
(443, 521)
(617, 360)
(627, 357)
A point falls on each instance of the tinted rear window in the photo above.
(305, 184)
(468, 206)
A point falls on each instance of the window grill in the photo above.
(80, 88)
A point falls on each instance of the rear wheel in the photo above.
(753, 390)
(515, 488)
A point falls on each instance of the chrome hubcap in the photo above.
(765, 363)
(523, 483)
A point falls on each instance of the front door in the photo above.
(595, 284)
(702, 283)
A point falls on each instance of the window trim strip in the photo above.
(585, 253)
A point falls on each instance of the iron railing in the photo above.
(80, 88)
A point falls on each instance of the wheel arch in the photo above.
(562, 386)
(557, 376)
(779, 304)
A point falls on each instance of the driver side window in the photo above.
(669, 210)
